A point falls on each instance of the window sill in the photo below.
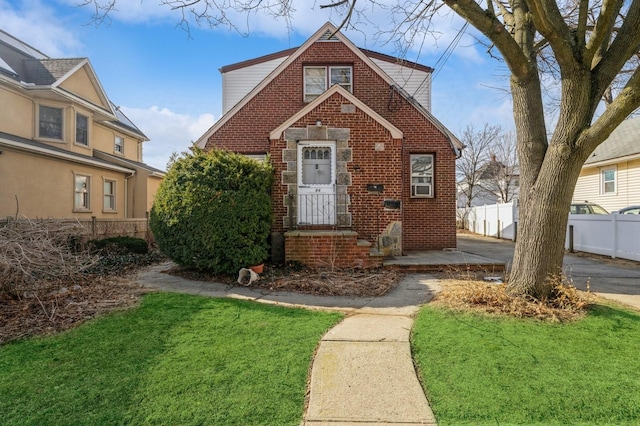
(110, 211)
(81, 145)
(60, 141)
(81, 211)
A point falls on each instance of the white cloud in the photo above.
(168, 131)
(306, 18)
(34, 22)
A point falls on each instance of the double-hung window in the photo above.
(50, 121)
(109, 195)
(82, 129)
(608, 180)
(82, 191)
(317, 79)
(119, 145)
(422, 175)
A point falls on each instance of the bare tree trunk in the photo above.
(548, 178)
(542, 228)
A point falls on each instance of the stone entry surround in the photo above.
(294, 135)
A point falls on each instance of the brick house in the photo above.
(363, 170)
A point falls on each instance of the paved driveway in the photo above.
(616, 277)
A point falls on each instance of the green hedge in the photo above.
(129, 244)
(213, 211)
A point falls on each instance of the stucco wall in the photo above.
(45, 187)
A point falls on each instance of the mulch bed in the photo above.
(56, 306)
(319, 282)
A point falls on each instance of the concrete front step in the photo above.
(443, 261)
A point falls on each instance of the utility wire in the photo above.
(440, 63)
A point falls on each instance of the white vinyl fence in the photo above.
(494, 220)
(613, 235)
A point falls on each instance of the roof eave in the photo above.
(60, 155)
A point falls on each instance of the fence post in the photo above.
(515, 231)
(498, 228)
(571, 239)
(93, 226)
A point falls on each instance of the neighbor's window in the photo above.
(422, 175)
(82, 188)
(109, 195)
(82, 129)
(608, 177)
(50, 122)
(317, 79)
(119, 145)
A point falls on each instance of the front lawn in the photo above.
(485, 370)
(177, 359)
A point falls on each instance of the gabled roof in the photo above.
(395, 132)
(327, 32)
(32, 70)
(623, 142)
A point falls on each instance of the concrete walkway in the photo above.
(363, 372)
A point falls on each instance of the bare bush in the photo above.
(36, 251)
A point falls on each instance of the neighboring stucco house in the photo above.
(361, 164)
(65, 149)
(611, 175)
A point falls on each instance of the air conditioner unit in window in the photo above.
(421, 190)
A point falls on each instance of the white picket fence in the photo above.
(614, 235)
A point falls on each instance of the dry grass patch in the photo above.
(566, 303)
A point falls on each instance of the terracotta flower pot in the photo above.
(257, 268)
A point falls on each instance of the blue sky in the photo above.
(167, 80)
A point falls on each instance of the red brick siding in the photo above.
(329, 250)
(427, 223)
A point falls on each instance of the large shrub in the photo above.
(213, 211)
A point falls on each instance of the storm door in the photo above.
(316, 183)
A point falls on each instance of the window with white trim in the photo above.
(608, 180)
(50, 121)
(82, 191)
(317, 79)
(82, 129)
(119, 145)
(109, 195)
(422, 175)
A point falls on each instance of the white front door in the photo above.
(316, 183)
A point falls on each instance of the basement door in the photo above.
(316, 183)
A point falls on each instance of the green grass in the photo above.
(177, 359)
(484, 370)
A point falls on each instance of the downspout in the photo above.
(402, 194)
(126, 193)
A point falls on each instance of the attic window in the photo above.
(82, 129)
(317, 79)
(50, 122)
